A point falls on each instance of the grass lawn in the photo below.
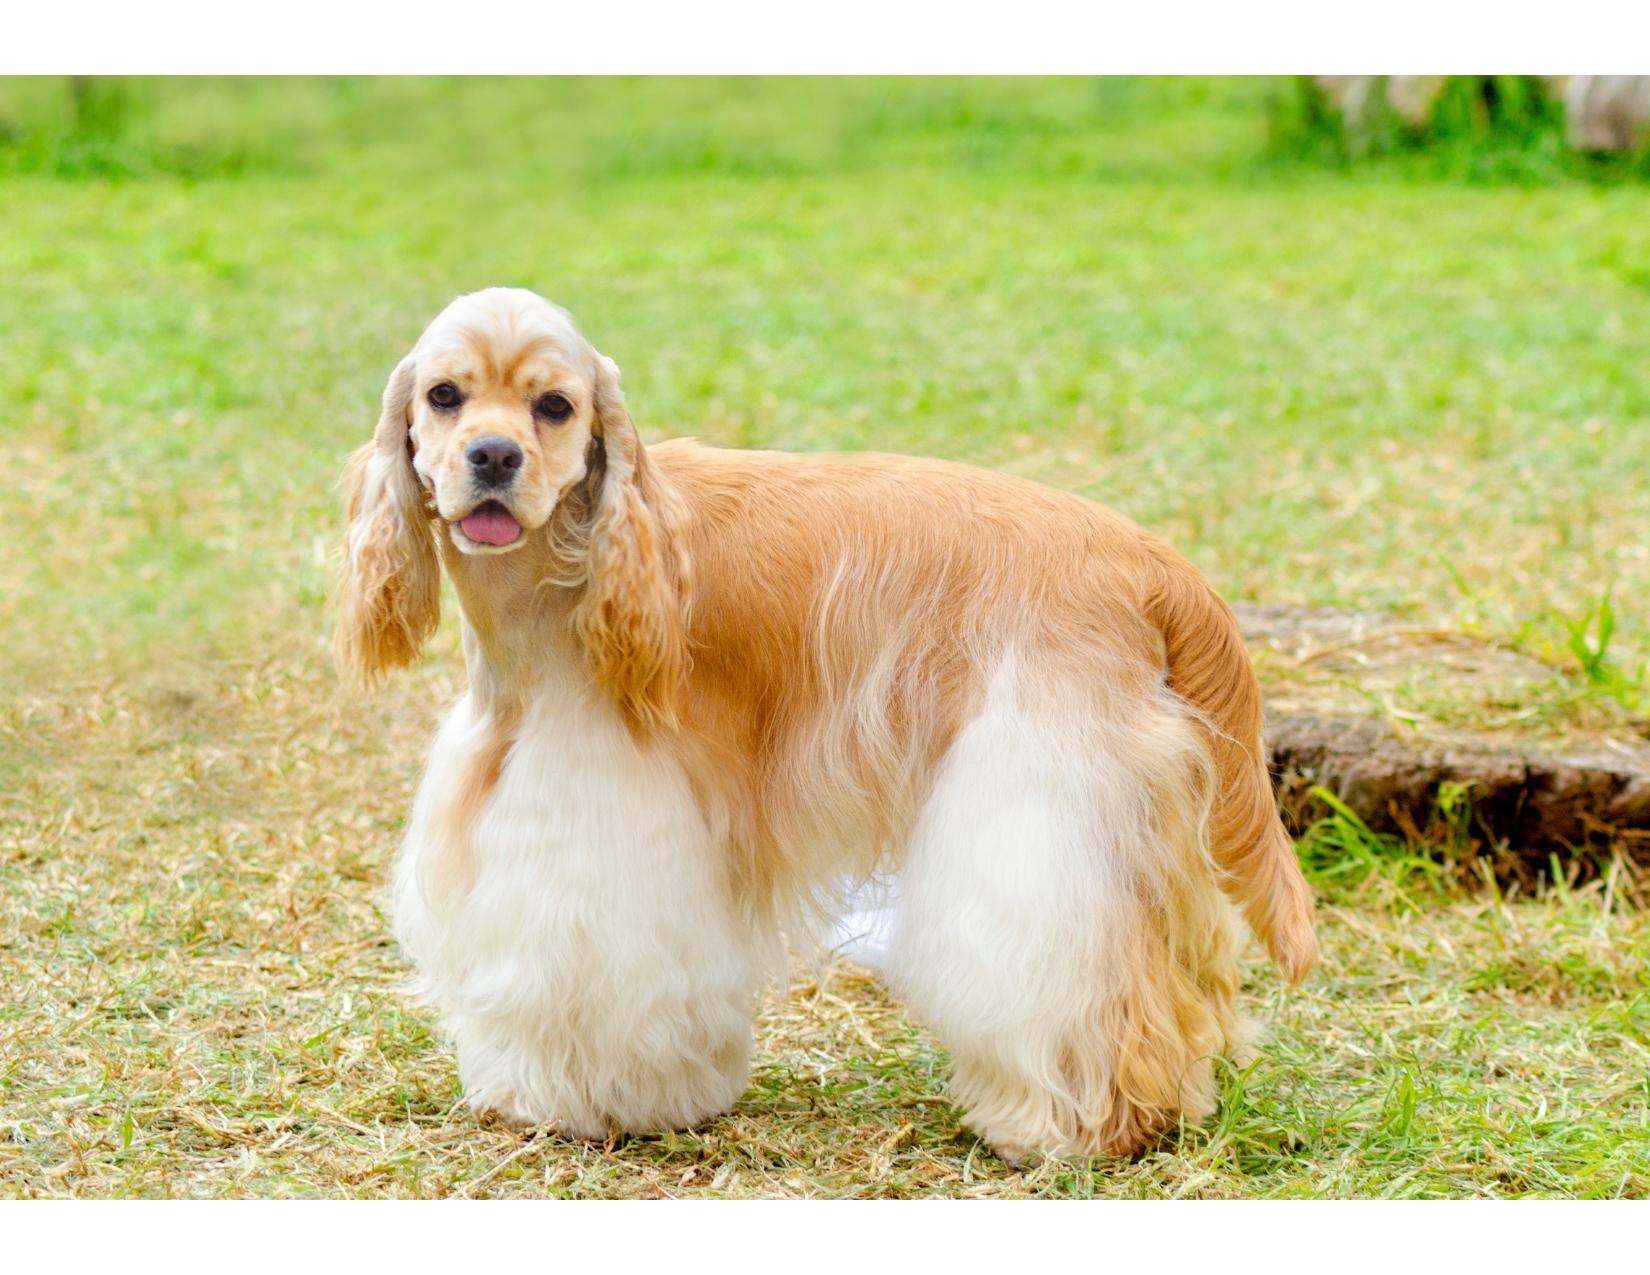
(1359, 388)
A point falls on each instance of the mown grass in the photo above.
(201, 998)
(1352, 388)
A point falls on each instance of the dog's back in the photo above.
(856, 607)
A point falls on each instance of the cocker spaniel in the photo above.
(708, 687)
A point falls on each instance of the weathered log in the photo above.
(1334, 684)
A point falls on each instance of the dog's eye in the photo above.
(444, 395)
(554, 407)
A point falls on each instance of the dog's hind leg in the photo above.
(1061, 926)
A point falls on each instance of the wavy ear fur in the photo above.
(632, 618)
(389, 599)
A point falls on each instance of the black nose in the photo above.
(493, 461)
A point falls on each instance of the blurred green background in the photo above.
(1398, 380)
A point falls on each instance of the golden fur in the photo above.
(808, 639)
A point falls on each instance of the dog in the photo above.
(708, 687)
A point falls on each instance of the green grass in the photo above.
(1362, 387)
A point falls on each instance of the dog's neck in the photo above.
(515, 617)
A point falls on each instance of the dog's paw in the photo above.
(1016, 1157)
(491, 1116)
(512, 1117)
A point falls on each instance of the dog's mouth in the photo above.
(490, 523)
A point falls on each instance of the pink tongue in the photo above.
(491, 525)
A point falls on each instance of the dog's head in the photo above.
(498, 407)
(501, 412)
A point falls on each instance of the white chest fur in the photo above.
(593, 970)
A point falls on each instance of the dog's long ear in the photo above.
(389, 599)
(632, 618)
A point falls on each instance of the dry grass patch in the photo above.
(201, 998)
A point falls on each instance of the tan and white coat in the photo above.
(707, 687)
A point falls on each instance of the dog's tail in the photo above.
(1209, 669)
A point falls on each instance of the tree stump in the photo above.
(1342, 690)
